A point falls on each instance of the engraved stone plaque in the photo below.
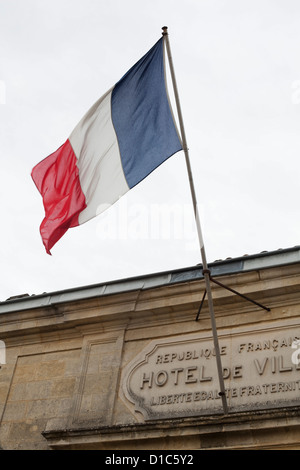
(178, 377)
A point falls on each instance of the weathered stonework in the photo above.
(127, 366)
(178, 377)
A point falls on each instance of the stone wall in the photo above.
(72, 378)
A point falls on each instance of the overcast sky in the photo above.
(237, 64)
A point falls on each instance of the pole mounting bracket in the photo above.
(207, 271)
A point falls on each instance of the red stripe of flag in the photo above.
(57, 179)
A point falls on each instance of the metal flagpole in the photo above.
(205, 269)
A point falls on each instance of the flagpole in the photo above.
(205, 270)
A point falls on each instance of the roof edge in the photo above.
(265, 259)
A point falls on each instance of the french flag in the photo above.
(124, 136)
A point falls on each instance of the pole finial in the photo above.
(165, 30)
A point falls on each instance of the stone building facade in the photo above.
(128, 365)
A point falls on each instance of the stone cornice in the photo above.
(158, 304)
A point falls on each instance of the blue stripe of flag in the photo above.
(142, 117)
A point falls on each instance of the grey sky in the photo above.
(238, 71)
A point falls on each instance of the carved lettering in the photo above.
(176, 372)
(161, 378)
(282, 367)
(188, 355)
(202, 376)
(260, 367)
(237, 372)
(175, 378)
(146, 379)
(189, 375)
(267, 344)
